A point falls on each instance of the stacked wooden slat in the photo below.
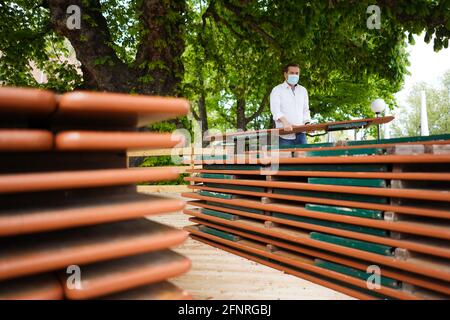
(367, 218)
(72, 224)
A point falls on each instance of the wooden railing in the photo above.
(187, 155)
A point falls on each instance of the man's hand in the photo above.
(286, 125)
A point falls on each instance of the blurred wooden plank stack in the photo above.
(367, 218)
(72, 224)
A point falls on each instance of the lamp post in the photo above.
(378, 106)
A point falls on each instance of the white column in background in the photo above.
(423, 115)
(387, 131)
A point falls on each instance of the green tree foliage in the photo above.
(224, 55)
(438, 109)
(159, 161)
(27, 40)
(344, 64)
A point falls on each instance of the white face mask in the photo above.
(292, 79)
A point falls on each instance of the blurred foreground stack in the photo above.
(71, 222)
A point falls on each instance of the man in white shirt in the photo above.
(290, 106)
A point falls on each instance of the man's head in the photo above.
(292, 73)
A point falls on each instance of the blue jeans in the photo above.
(300, 138)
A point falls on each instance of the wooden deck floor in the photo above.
(216, 274)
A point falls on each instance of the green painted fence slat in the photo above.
(357, 182)
(217, 176)
(355, 244)
(355, 212)
(331, 195)
(215, 194)
(401, 140)
(219, 214)
(356, 273)
(218, 233)
(231, 167)
(229, 206)
(346, 152)
(335, 167)
(333, 224)
(235, 187)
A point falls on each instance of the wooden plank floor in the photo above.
(216, 274)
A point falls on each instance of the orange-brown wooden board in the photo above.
(109, 277)
(101, 141)
(302, 237)
(21, 140)
(422, 194)
(26, 101)
(38, 287)
(430, 176)
(362, 146)
(50, 161)
(417, 158)
(297, 261)
(442, 251)
(412, 210)
(303, 128)
(306, 276)
(403, 276)
(27, 182)
(417, 228)
(158, 291)
(335, 280)
(30, 254)
(17, 221)
(117, 108)
(302, 262)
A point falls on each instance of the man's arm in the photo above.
(275, 108)
(287, 126)
(306, 113)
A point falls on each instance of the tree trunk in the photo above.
(159, 53)
(260, 110)
(240, 114)
(101, 66)
(203, 113)
(157, 69)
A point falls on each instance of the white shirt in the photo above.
(291, 104)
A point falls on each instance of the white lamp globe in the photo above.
(378, 105)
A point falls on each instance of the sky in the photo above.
(426, 65)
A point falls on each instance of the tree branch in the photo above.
(261, 107)
(434, 19)
(225, 116)
(211, 12)
(195, 114)
(250, 21)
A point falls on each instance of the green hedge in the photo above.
(163, 161)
